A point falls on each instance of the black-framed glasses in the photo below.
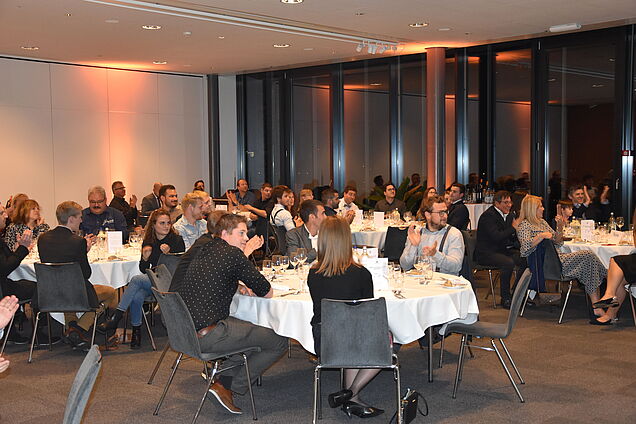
(444, 212)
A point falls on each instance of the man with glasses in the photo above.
(99, 217)
(458, 215)
(129, 210)
(439, 241)
(497, 243)
(390, 203)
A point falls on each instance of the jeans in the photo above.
(136, 292)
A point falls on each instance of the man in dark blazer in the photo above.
(151, 202)
(458, 215)
(61, 244)
(312, 212)
(497, 243)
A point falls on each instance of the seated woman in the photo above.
(159, 238)
(583, 265)
(622, 270)
(430, 192)
(26, 217)
(336, 276)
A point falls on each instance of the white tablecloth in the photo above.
(374, 238)
(474, 211)
(603, 252)
(424, 306)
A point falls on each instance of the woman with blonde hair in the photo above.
(26, 217)
(582, 265)
(335, 275)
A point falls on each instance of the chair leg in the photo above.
(94, 328)
(35, 330)
(441, 351)
(316, 393)
(429, 354)
(168, 383)
(154, 372)
(205, 394)
(460, 364)
(48, 322)
(514, 366)
(249, 386)
(565, 302)
(631, 301)
(152, 339)
(525, 302)
(399, 395)
(503, 364)
(10, 326)
(492, 290)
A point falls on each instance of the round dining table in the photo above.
(415, 309)
(368, 237)
(604, 251)
(474, 212)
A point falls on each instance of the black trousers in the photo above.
(22, 289)
(506, 263)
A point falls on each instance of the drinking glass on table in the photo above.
(408, 216)
(620, 221)
(275, 265)
(293, 260)
(267, 268)
(284, 263)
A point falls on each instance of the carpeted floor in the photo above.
(574, 372)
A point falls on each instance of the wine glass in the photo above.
(301, 254)
(620, 221)
(284, 263)
(267, 268)
(275, 264)
(408, 216)
(293, 260)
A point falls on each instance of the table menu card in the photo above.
(378, 219)
(379, 269)
(587, 229)
(114, 241)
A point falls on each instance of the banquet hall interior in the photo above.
(532, 97)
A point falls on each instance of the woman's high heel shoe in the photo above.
(353, 408)
(338, 398)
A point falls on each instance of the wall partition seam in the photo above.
(461, 102)
(336, 95)
(214, 162)
(268, 107)
(288, 174)
(538, 133)
(395, 122)
(241, 171)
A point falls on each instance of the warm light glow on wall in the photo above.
(412, 48)
(124, 65)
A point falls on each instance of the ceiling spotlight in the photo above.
(382, 49)
(359, 47)
(187, 33)
(373, 48)
(30, 48)
(376, 84)
(308, 48)
(444, 29)
(291, 1)
(68, 15)
(221, 37)
(359, 13)
(159, 62)
(151, 27)
(551, 79)
(565, 27)
(419, 25)
(281, 46)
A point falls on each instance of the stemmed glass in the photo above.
(620, 221)
(276, 263)
(408, 216)
(267, 268)
(284, 263)
(293, 260)
(422, 262)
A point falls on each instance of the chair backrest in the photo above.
(171, 261)
(61, 287)
(354, 334)
(552, 267)
(517, 299)
(181, 332)
(394, 243)
(82, 386)
(470, 243)
(160, 278)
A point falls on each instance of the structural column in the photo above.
(435, 122)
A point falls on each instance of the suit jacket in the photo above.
(9, 260)
(299, 238)
(61, 245)
(149, 203)
(494, 235)
(458, 215)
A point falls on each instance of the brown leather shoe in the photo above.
(224, 396)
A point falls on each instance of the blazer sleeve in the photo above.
(82, 258)
(8, 263)
(488, 224)
(120, 224)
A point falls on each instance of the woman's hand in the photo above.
(245, 291)
(146, 251)
(252, 244)
(4, 364)
(165, 249)
(414, 236)
(25, 239)
(545, 235)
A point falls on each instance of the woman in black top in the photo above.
(336, 276)
(160, 238)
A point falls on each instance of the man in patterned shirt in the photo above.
(207, 289)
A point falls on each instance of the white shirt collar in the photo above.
(503, 215)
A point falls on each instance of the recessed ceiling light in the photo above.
(308, 48)
(598, 85)
(221, 37)
(187, 65)
(151, 27)
(611, 59)
(291, 1)
(565, 27)
(375, 84)
(281, 46)
(419, 25)
(159, 62)
(68, 15)
(112, 21)
(186, 33)
(30, 48)
(444, 29)
(359, 13)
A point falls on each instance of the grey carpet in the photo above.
(574, 372)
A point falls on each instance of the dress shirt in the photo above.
(313, 239)
(281, 217)
(189, 232)
(448, 261)
(344, 207)
(110, 219)
(123, 206)
(212, 280)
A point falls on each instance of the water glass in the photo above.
(267, 268)
(276, 264)
(284, 263)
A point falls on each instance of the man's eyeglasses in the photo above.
(445, 212)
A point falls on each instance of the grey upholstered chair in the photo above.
(631, 293)
(183, 339)
(497, 331)
(61, 288)
(82, 386)
(364, 342)
(470, 242)
(171, 261)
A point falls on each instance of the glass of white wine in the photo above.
(267, 268)
(620, 221)
(284, 263)
(293, 260)
(275, 264)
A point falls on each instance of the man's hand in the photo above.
(146, 251)
(133, 201)
(39, 221)
(414, 236)
(560, 221)
(430, 250)
(25, 239)
(165, 248)
(4, 364)
(252, 244)
(90, 241)
(349, 216)
(8, 306)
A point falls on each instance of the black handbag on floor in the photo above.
(409, 406)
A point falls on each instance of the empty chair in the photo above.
(470, 241)
(82, 386)
(183, 338)
(61, 288)
(394, 243)
(364, 342)
(497, 331)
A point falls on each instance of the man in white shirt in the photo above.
(443, 243)
(347, 202)
(191, 226)
(312, 212)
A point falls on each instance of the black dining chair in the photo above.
(394, 243)
(470, 242)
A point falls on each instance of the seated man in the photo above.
(441, 242)
(129, 210)
(152, 201)
(330, 200)
(199, 185)
(9, 261)
(497, 243)
(390, 203)
(191, 226)
(207, 289)
(99, 217)
(61, 244)
(312, 212)
(260, 210)
(170, 201)
(241, 196)
(458, 215)
(347, 203)
(580, 200)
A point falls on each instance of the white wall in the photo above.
(64, 128)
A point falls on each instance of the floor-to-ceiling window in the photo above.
(413, 115)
